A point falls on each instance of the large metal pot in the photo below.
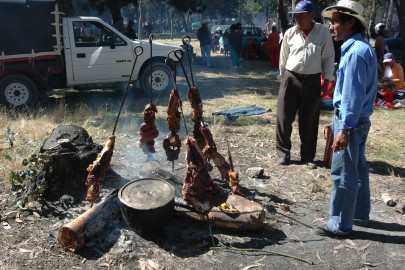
(147, 204)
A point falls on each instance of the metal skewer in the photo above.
(179, 54)
(186, 42)
(150, 60)
(138, 51)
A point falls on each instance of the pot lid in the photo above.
(145, 194)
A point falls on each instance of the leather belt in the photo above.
(303, 76)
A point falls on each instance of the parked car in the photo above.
(222, 27)
(393, 45)
(195, 26)
(249, 33)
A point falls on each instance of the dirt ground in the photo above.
(286, 241)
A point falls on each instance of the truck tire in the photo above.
(18, 91)
(162, 80)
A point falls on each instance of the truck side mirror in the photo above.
(111, 42)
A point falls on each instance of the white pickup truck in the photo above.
(41, 50)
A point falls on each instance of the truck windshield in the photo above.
(94, 34)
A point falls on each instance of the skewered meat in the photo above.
(172, 145)
(196, 104)
(197, 112)
(234, 181)
(97, 169)
(233, 176)
(148, 130)
(173, 113)
(198, 188)
(211, 153)
(172, 142)
(198, 136)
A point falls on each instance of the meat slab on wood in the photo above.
(250, 217)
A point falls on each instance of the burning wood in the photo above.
(72, 236)
(97, 169)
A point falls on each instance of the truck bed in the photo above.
(27, 29)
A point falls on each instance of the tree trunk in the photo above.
(400, 7)
(389, 17)
(282, 16)
(140, 16)
(372, 17)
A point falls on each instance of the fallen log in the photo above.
(73, 235)
(250, 215)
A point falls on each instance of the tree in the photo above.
(400, 7)
(282, 16)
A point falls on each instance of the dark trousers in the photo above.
(302, 95)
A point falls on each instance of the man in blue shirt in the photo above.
(355, 92)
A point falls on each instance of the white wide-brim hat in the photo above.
(348, 7)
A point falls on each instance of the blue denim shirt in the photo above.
(356, 82)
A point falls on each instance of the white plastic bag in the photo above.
(388, 73)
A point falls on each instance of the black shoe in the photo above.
(324, 231)
(361, 223)
(310, 164)
(283, 161)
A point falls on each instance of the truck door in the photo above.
(96, 53)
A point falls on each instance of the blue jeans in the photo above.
(206, 55)
(350, 198)
(234, 57)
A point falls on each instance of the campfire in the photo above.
(148, 205)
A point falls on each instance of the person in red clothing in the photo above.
(327, 98)
(271, 47)
(393, 73)
(393, 80)
(385, 97)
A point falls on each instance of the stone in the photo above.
(255, 172)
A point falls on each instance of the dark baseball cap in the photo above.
(303, 6)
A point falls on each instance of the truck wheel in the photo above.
(162, 81)
(18, 91)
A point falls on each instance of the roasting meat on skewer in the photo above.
(233, 176)
(196, 114)
(198, 188)
(148, 130)
(97, 169)
(173, 112)
(172, 143)
(234, 181)
(211, 153)
(196, 104)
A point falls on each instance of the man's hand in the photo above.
(324, 88)
(341, 141)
